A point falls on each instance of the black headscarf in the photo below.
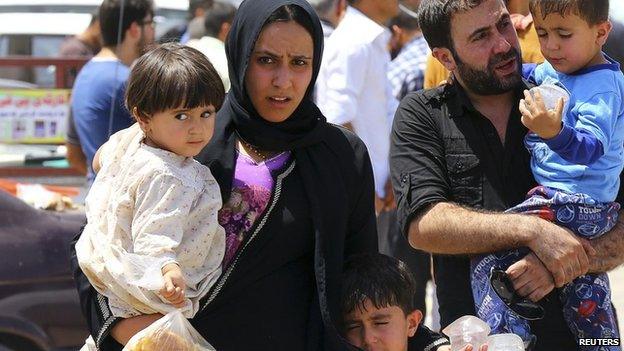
(302, 133)
(238, 115)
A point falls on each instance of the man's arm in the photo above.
(610, 247)
(76, 158)
(434, 224)
(447, 228)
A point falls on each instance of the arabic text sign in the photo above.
(33, 116)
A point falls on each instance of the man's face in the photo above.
(148, 33)
(380, 329)
(387, 8)
(486, 49)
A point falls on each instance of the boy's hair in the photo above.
(592, 11)
(434, 18)
(216, 16)
(110, 12)
(170, 76)
(383, 280)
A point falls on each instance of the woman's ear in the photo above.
(445, 57)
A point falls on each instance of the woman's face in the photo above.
(280, 70)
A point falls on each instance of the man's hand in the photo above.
(466, 348)
(543, 122)
(530, 278)
(173, 290)
(563, 254)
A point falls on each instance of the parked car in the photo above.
(39, 307)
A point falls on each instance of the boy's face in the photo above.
(381, 329)
(569, 43)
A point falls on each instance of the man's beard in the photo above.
(486, 82)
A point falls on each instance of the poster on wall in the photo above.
(33, 116)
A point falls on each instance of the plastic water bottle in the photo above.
(505, 342)
(467, 330)
(551, 91)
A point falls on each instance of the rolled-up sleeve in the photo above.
(417, 162)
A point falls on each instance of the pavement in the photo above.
(617, 292)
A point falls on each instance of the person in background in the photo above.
(182, 32)
(410, 49)
(97, 104)
(435, 72)
(217, 22)
(353, 88)
(406, 75)
(330, 13)
(194, 29)
(86, 44)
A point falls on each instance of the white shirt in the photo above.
(214, 49)
(353, 87)
(149, 207)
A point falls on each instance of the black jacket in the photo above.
(258, 303)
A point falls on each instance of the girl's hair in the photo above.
(287, 13)
(171, 76)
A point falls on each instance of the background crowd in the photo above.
(374, 55)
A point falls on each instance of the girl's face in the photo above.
(280, 70)
(182, 131)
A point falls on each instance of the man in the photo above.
(406, 73)
(217, 22)
(330, 12)
(97, 104)
(352, 87)
(85, 44)
(458, 159)
(523, 22)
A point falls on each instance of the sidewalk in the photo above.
(617, 293)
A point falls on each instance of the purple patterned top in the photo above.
(251, 192)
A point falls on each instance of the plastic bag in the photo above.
(170, 333)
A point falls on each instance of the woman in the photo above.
(298, 196)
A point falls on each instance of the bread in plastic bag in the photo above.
(172, 332)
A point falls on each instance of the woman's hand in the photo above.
(125, 329)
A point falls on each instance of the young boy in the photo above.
(378, 307)
(577, 156)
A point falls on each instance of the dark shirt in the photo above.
(444, 150)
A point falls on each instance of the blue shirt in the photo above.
(98, 83)
(588, 154)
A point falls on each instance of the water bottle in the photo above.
(505, 342)
(467, 330)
